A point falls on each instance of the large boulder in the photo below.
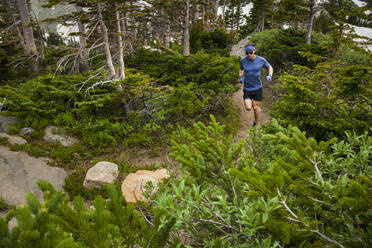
(19, 174)
(13, 139)
(238, 49)
(56, 135)
(133, 185)
(101, 174)
(5, 122)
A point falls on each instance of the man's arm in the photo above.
(271, 70)
(269, 77)
(241, 72)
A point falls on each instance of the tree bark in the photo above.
(203, 15)
(310, 22)
(215, 10)
(195, 14)
(30, 46)
(83, 61)
(120, 43)
(106, 42)
(14, 22)
(261, 23)
(223, 13)
(186, 33)
(238, 19)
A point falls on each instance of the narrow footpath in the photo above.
(247, 117)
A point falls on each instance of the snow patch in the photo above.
(65, 31)
(363, 31)
(246, 10)
(359, 3)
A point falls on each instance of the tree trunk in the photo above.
(195, 14)
(215, 10)
(238, 15)
(186, 34)
(120, 43)
(203, 15)
(223, 13)
(14, 22)
(311, 21)
(261, 23)
(30, 46)
(83, 61)
(106, 42)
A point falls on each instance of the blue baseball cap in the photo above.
(249, 49)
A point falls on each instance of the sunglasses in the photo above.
(249, 52)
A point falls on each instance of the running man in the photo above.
(250, 74)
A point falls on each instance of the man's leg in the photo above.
(248, 104)
(256, 109)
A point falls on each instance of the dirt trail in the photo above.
(247, 117)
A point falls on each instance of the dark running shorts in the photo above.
(253, 95)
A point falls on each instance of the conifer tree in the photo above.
(261, 10)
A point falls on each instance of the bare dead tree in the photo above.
(120, 42)
(109, 63)
(186, 29)
(29, 41)
(83, 52)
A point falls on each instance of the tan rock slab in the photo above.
(19, 174)
(14, 139)
(133, 186)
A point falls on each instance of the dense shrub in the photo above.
(108, 223)
(281, 47)
(215, 41)
(209, 71)
(327, 101)
(140, 113)
(288, 190)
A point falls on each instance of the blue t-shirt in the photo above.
(252, 72)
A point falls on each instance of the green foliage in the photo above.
(139, 115)
(37, 101)
(74, 184)
(279, 188)
(353, 57)
(3, 140)
(31, 149)
(281, 47)
(209, 71)
(2, 204)
(216, 41)
(107, 223)
(200, 84)
(330, 100)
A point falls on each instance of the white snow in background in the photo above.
(359, 3)
(246, 10)
(363, 31)
(64, 32)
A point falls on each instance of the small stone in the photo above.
(101, 174)
(26, 131)
(55, 135)
(12, 223)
